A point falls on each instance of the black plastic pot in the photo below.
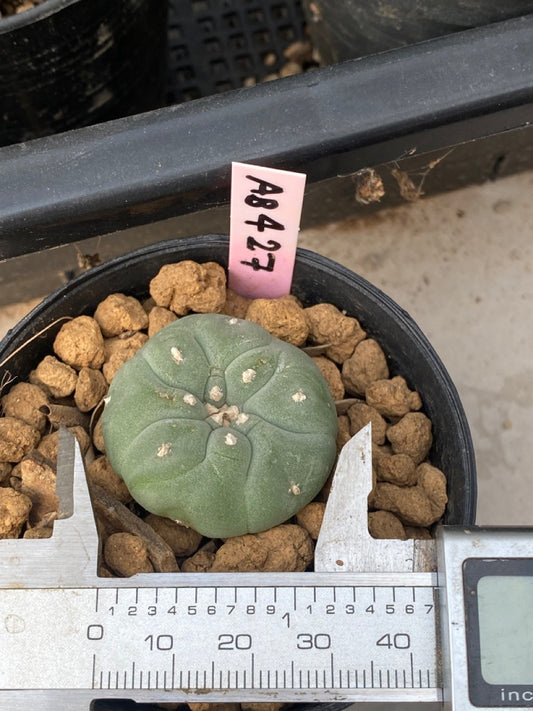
(350, 29)
(316, 279)
(71, 63)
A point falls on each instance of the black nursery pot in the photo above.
(351, 28)
(71, 63)
(316, 279)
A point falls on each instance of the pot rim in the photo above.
(219, 239)
(37, 320)
(34, 14)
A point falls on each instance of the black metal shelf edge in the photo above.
(328, 122)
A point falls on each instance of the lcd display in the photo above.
(505, 607)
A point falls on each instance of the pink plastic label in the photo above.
(266, 206)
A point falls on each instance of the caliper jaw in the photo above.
(344, 543)
(68, 558)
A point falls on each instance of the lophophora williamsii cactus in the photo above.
(217, 424)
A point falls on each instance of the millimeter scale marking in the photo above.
(219, 650)
(70, 637)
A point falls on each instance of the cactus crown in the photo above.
(217, 424)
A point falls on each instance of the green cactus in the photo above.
(217, 424)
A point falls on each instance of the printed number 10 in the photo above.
(161, 642)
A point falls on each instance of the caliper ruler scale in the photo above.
(338, 635)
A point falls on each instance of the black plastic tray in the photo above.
(218, 45)
(454, 91)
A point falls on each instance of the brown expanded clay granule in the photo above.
(127, 554)
(299, 57)
(262, 706)
(16, 439)
(188, 286)
(412, 436)
(80, 343)
(91, 386)
(282, 549)
(119, 313)
(119, 349)
(158, 318)
(384, 524)
(200, 562)
(100, 472)
(25, 402)
(98, 437)
(48, 446)
(55, 377)
(235, 304)
(5, 471)
(213, 706)
(14, 511)
(392, 398)
(15, 7)
(283, 317)
(343, 435)
(397, 469)
(360, 414)
(364, 366)
(285, 548)
(36, 479)
(332, 376)
(67, 388)
(328, 325)
(310, 518)
(183, 541)
(419, 505)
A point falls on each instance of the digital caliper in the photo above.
(378, 621)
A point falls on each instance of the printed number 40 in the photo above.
(400, 640)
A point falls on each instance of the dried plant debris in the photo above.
(67, 387)
(411, 183)
(368, 186)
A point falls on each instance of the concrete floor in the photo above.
(462, 265)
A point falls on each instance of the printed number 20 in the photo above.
(234, 641)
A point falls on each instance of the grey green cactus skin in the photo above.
(217, 424)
